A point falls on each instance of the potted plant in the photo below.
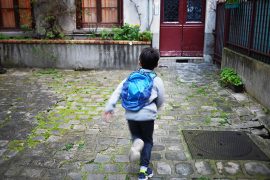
(229, 78)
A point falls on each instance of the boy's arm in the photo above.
(114, 98)
(160, 93)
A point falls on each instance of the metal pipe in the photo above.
(148, 16)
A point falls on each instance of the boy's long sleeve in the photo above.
(160, 93)
(114, 98)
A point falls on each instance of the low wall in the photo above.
(71, 54)
(255, 74)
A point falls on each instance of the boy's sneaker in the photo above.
(144, 175)
(135, 150)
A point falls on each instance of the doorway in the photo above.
(182, 28)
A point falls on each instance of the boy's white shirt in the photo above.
(148, 112)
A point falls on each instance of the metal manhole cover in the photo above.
(222, 145)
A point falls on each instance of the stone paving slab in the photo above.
(51, 125)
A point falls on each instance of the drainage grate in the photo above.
(181, 60)
(222, 145)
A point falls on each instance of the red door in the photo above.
(182, 27)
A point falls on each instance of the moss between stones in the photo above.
(16, 145)
(6, 120)
(72, 106)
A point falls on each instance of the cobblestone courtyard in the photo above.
(51, 126)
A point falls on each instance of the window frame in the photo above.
(17, 17)
(99, 24)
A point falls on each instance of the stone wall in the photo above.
(255, 74)
(71, 54)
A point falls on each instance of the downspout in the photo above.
(148, 16)
(2, 70)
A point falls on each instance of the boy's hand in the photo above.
(107, 116)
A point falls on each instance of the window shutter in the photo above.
(7, 14)
(25, 13)
(79, 14)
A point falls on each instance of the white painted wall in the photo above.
(146, 13)
(210, 24)
(155, 26)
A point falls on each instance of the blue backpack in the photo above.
(137, 90)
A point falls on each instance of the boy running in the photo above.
(141, 119)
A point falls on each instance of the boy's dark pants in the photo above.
(143, 130)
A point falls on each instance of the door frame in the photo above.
(182, 23)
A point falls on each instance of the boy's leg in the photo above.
(147, 129)
(134, 129)
(137, 145)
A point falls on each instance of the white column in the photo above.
(210, 23)
(155, 25)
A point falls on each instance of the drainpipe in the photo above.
(147, 15)
(2, 70)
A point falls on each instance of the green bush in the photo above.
(105, 34)
(229, 76)
(5, 37)
(52, 28)
(127, 32)
(145, 36)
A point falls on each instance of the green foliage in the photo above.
(52, 29)
(25, 28)
(127, 32)
(55, 74)
(81, 145)
(3, 36)
(145, 36)
(203, 178)
(229, 76)
(208, 120)
(105, 34)
(202, 91)
(232, 1)
(68, 146)
(92, 35)
(16, 145)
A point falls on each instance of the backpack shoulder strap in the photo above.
(152, 74)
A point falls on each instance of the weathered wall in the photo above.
(145, 13)
(70, 55)
(210, 23)
(255, 74)
(67, 16)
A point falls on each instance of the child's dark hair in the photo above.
(149, 58)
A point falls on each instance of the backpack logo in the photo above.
(137, 90)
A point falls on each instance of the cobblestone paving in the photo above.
(51, 126)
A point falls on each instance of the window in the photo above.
(103, 13)
(194, 10)
(14, 14)
(171, 11)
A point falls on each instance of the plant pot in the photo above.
(236, 89)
